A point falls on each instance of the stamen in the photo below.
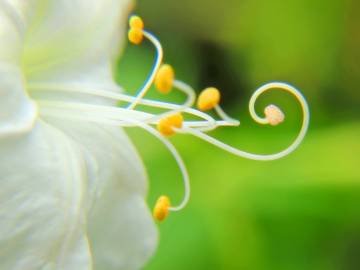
(163, 75)
(209, 99)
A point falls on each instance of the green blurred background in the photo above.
(300, 212)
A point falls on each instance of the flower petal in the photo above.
(121, 229)
(73, 41)
(78, 256)
(17, 111)
(41, 199)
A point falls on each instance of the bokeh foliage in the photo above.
(301, 212)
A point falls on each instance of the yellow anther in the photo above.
(165, 79)
(274, 115)
(136, 22)
(135, 35)
(161, 209)
(166, 125)
(208, 99)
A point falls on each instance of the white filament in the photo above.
(72, 88)
(223, 115)
(159, 56)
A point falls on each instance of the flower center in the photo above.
(173, 119)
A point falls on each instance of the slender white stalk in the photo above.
(100, 110)
(75, 112)
(188, 91)
(223, 115)
(205, 124)
(109, 93)
(225, 119)
(120, 113)
(159, 56)
(72, 88)
(191, 97)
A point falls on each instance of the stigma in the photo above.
(274, 115)
(173, 119)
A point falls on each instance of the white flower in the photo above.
(72, 193)
(72, 185)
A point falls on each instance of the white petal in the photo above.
(17, 112)
(121, 229)
(78, 255)
(75, 41)
(41, 199)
